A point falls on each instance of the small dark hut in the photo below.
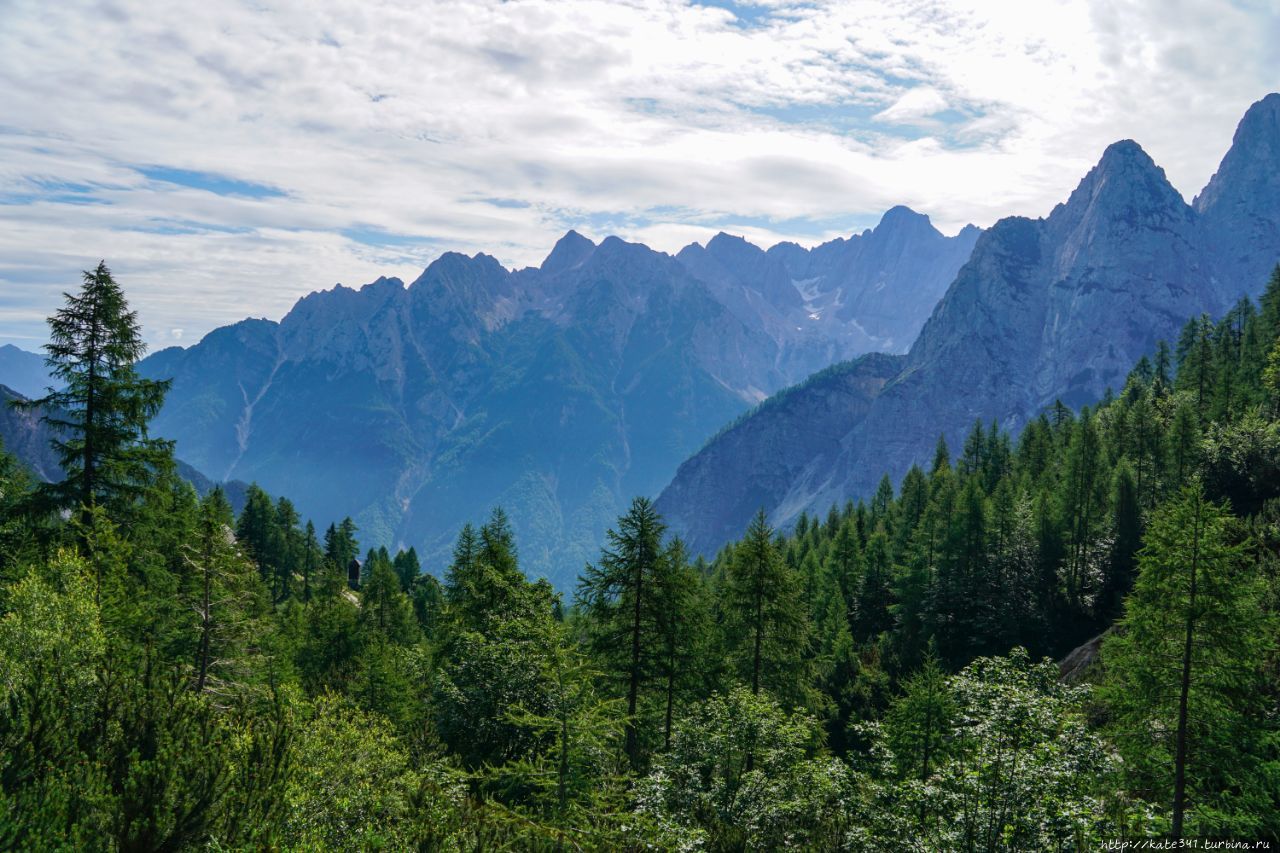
(353, 573)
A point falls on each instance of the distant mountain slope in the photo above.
(24, 435)
(1059, 307)
(887, 280)
(868, 293)
(558, 391)
(23, 371)
(804, 428)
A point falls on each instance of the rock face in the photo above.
(558, 392)
(23, 435)
(1045, 309)
(868, 293)
(1240, 207)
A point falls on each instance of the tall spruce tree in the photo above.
(99, 414)
(683, 621)
(340, 546)
(1081, 497)
(762, 605)
(1126, 539)
(619, 593)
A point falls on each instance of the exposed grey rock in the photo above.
(23, 435)
(570, 252)
(884, 281)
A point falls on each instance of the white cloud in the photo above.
(482, 125)
(918, 103)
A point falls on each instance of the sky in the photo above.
(226, 158)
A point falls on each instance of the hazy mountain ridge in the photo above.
(24, 372)
(1059, 307)
(558, 391)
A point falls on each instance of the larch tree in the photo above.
(683, 623)
(228, 602)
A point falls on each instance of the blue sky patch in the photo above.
(209, 182)
(188, 226)
(372, 236)
(747, 13)
(506, 203)
(52, 192)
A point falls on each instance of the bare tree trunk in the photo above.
(206, 617)
(1180, 760)
(633, 687)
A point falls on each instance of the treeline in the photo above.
(176, 677)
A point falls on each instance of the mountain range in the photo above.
(558, 391)
(735, 377)
(1057, 308)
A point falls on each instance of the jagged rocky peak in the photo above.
(340, 298)
(789, 253)
(738, 254)
(453, 265)
(1240, 207)
(902, 218)
(1126, 173)
(754, 268)
(724, 244)
(321, 309)
(382, 284)
(615, 245)
(615, 256)
(1251, 164)
(569, 252)
(473, 291)
(1125, 187)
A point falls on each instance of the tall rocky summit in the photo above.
(1240, 208)
(558, 392)
(1044, 309)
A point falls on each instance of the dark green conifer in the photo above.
(99, 413)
